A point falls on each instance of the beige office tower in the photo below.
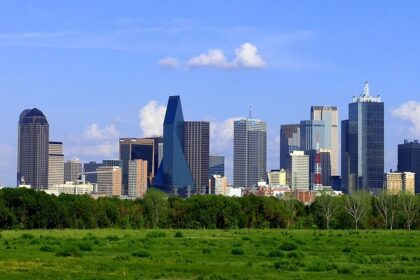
(300, 171)
(329, 114)
(396, 182)
(109, 180)
(137, 178)
(277, 178)
(55, 164)
(218, 185)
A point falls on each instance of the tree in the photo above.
(386, 206)
(156, 206)
(290, 210)
(407, 203)
(327, 207)
(357, 205)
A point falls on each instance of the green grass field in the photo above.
(209, 254)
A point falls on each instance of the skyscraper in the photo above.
(33, 145)
(329, 114)
(409, 160)
(365, 134)
(55, 164)
(109, 180)
(72, 170)
(249, 152)
(217, 166)
(299, 177)
(174, 176)
(137, 178)
(90, 171)
(289, 142)
(196, 151)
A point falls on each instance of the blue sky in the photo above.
(93, 66)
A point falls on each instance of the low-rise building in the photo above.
(218, 185)
(109, 180)
(396, 182)
(76, 188)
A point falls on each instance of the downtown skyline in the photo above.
(97, 82)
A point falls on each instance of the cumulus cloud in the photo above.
(103, 150)
(94, 132)
(151, 119)
(409, 112)
(169, 62)
(246, 56)
(221, 134)
(213, 58)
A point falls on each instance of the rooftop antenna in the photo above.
(250, 112)
(366, 89)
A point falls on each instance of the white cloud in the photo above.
(409, 112)
(247, 56)
(95, 133)
(104, 150)
(213, 58)
(221, 134)
(169, 62)
(151, 119)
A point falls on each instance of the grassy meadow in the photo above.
(209, 254)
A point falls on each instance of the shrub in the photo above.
(69, 252)
(237, 251)
(276, 254)
(122, 258)
(294, 255)
(246, 238)
(85, 247)
(178, 234)
(288, 246)
(347, 249)
(155, 234)
(285, 265)
(112, 238)
(27, 236)
(206, 251)
(141, 254)
(46, 249)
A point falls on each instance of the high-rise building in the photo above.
(409, 160)
(249, 152)
(299, 174)
(347, 180)
(109, 180)
(196, 151)
(137, 178)
(73, 168)
(289, 142)
(396, 182)
(55, 164)
(148, 149)
(218, 185)
(217, 166)
(329, 114)
(33, 145)
(365, 133)
(113, 162)
(174, 176)
(90, 171)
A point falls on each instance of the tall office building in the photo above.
(249, 152)
(72, 170)
(113, 162)
(289, 142)
(109, 180)
(364, 133)
(90, 171)
(217, 166)
(147, 149)
(174, 176)
(137, 178)
(329, 114)
(196, 151)
(347, 180)
(409, 160)
(55, 164)
(218, 185)
(33, 145)
(299, 174)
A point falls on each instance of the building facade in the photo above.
(73, 168)
(90, 171)
(409, 160)
(249, 152)
(33, 146)
(396, 182)
(299, 174)
(365, 143)
(109, 180)
(217, 166)
(55, 163)
(218, 185)
(277, 178)
(137, 178)
(289, 142)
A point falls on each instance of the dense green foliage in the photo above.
(209, 254)
(29, 209)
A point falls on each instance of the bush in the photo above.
(206, 251)
(294, 255)
(155, 234)
(288, 246)
(112, 238)
(122, 258)
(69, 252)
(285, 265)
(178, 234)
(46, 249)
(141, 254)
(27, 236)
(347, 250)
(276, 254)
(237, 251)
(85, 247)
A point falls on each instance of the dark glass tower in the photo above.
(174, 176)
(365, 143)
(409, 160)
(289, 142)
(33, 144)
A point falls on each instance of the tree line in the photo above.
(29, 209)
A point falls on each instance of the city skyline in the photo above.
(97, 82)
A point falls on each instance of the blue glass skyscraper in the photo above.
(364, 150)
(174, 176)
